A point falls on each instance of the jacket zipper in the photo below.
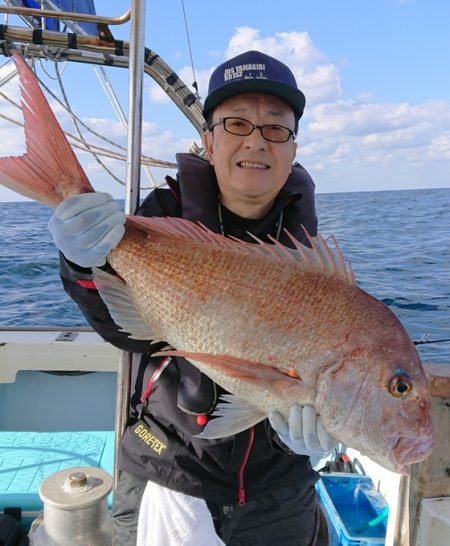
(241, 493)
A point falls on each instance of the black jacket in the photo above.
(159, 442)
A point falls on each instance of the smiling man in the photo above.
(174, 489)
(252, 159)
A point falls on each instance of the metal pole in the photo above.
(136, 73)
(70, 15)
(401, 534)
(136, 76)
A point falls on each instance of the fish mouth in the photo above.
(409, 450)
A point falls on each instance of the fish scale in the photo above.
(193, 292)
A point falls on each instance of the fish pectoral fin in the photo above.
(121, 307)
(248, 371)
(232, 415)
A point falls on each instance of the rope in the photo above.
(194, 83)
(99, 150)
(77, 127)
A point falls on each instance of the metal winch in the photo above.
(75, 509)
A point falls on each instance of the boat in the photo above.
(47, 375)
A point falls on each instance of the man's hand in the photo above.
(87, 227)
(304, 432)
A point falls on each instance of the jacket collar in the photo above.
(199, 194)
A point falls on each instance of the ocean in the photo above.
(398, 243)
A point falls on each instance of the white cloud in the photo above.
(347, 143)
(155, 92)
(439, 147)
(378, 132)
(316, 76)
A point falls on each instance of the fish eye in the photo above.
(400, 386)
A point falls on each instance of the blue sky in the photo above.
(376, 75)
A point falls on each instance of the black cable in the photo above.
(194, 83)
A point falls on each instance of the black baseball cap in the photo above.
(253, 71)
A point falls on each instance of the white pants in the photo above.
(170, 518)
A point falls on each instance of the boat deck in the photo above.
(28, 458)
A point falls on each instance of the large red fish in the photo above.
(271, 325)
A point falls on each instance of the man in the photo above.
(256, 487)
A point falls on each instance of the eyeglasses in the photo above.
(243, 127)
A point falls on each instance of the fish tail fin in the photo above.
(48, 171)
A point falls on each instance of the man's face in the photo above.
(249, 169)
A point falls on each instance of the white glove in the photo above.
(304, 432)
(87, 227)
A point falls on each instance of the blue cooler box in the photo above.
(356, 512)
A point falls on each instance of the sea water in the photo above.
(398, 243)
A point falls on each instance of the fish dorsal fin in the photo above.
(320, 257)
(181, 229)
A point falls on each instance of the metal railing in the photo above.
(70, 15)
(102, 52)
